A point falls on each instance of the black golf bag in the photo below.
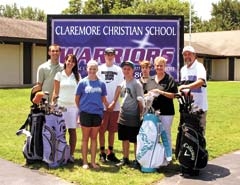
(32, 128)
(190, 144)
(45, 131)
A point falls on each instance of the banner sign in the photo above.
(134, 39)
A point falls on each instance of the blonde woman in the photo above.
(163, 84)
(90, 97)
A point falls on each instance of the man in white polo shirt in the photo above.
(193, 76)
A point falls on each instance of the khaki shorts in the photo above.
(109, 122)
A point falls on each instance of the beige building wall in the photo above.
(39, 56)
(237, 69)
(11, 64)
(200, 60)
(220, 69)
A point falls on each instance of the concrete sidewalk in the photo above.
(14, 174)
(220, 171)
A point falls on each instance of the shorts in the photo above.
(70, 116)
(127, 133)
(109, 122)
(129, 120)
(90, 120)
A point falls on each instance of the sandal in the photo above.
(95, 166)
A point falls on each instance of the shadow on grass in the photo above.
(106, 167)
(170, 170)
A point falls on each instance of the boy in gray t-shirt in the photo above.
(130, 112)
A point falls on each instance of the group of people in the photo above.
(109, 99)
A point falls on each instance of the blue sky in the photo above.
(202, 7)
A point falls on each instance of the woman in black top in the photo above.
(165, 86)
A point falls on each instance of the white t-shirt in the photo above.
(191, 74)
(67, 89)
(112, 77)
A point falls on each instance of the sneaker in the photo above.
(124, 161)
(111, 157)
(102, 157)
(85, 166)
(136, 164)
(71, 159)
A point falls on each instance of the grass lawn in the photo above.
(222, 136)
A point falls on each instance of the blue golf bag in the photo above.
(153, 149)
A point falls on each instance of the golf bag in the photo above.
(56, 152)
(46, 133)
(32, 128)
(190, 144)
(152, 144)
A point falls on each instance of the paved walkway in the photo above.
(220, 171)
(14, 174)
(224, 170)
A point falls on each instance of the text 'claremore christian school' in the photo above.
(115, 30)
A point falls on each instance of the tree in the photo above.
(13, 11)
(75, 7)
(32, 14)
(10, 11)
(226, 15)
(141, 7)
(92, 7)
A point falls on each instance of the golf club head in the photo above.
(46, 93)
(19, 132)
(23, 131)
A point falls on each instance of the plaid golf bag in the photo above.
(190, 144)
(56, 151)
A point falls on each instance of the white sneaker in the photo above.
(85, 166)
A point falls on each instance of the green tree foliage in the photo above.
(32, 14)
(225, 16)
(141, 7)
(225, 13)
(92, 7)
(12, 11)
(75, 7)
